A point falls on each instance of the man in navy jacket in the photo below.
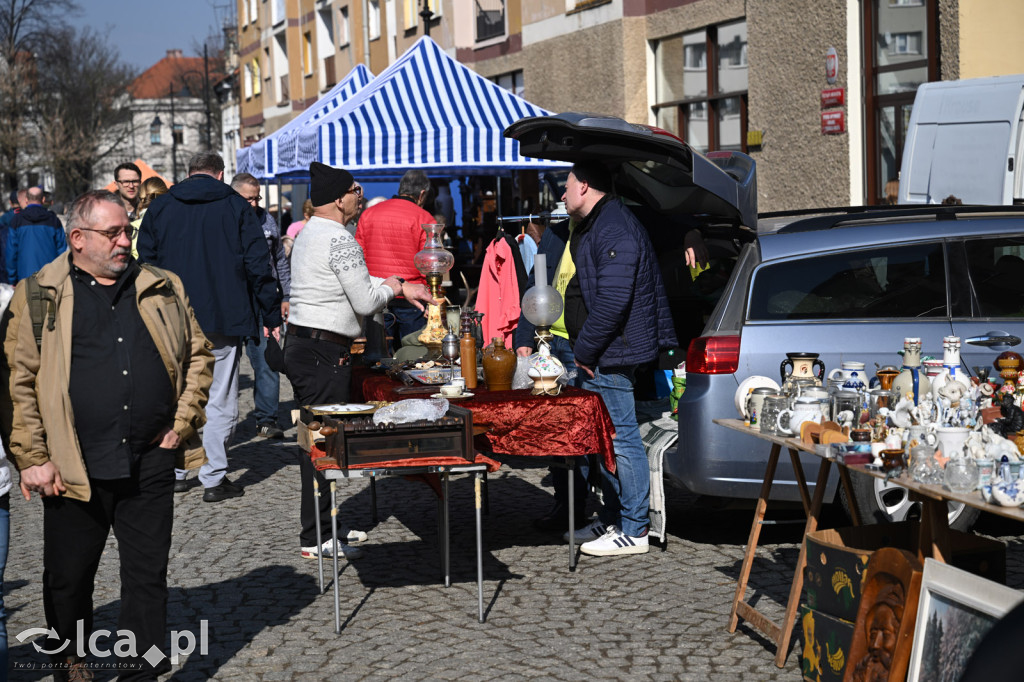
(208, 235)
(617, 316)
(35, 238)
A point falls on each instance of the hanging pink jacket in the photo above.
(498, 296)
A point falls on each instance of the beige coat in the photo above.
(36, 420)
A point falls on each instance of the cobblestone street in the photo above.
(236, 567)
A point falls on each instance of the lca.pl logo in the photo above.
(183, 643)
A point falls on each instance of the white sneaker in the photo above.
(591, 531)
(356, 536)
(328, 549)
(615, 542)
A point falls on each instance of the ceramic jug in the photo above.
(884, 377)
(852, 374)
(499, 365)
(912, 381)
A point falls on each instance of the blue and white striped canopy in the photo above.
(265, 157)
(425, 111)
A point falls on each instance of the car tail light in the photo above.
(713, 355)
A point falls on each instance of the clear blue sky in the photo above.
(144, 30)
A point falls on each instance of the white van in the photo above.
(965, 138)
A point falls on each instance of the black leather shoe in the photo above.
(181, 485)
(224, 490)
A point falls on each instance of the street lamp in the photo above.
(427, 15)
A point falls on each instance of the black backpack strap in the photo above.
(42, 307)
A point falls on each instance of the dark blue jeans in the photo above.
(266, 388)
(627, 491)
(404, 318)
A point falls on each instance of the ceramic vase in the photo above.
(499, 365)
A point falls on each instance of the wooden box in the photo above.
(824, 645)
(358, 441)
(837, 557)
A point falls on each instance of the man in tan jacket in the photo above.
(96, 415)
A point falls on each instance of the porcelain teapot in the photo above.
(804, 410)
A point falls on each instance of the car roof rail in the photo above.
(828, 218)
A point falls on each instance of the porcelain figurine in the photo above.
(1012, 420)
(912, 380)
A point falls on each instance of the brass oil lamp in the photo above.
(434, 261)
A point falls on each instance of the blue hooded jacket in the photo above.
(206, 233)
(628, 319)
(35, 238)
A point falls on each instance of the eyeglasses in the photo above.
(128, 182)
(253, 200)
(113, 235)
(357, 190)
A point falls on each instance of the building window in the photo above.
(325, 48)
(706, 107)
(247, 82)
(900, 53)
(513, 82)
(178, 133)
(490, 19)
(374, 19)
(905, 43)
(411, 15)
(343, 36)
(307, 53)
(255, 70)
(154, 131)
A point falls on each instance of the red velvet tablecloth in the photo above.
(571, 424)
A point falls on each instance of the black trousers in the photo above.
(140, 509)
(316, 377)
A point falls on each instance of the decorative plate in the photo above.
(343, 408)
(464, 394)
(748, 384)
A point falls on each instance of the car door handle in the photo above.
(994, 340)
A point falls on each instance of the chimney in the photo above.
(174, 54)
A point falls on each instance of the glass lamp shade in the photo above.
(542, 305)
(433, 258)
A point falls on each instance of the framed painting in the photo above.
(955, 611)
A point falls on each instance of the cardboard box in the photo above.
(824, 645)
(837, 557)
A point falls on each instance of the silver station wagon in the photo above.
(848, 284)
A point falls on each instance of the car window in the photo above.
(897, 281)
(996, 267)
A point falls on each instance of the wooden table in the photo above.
(524, 429)
(934, 528)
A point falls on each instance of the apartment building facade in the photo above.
(818, 93)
